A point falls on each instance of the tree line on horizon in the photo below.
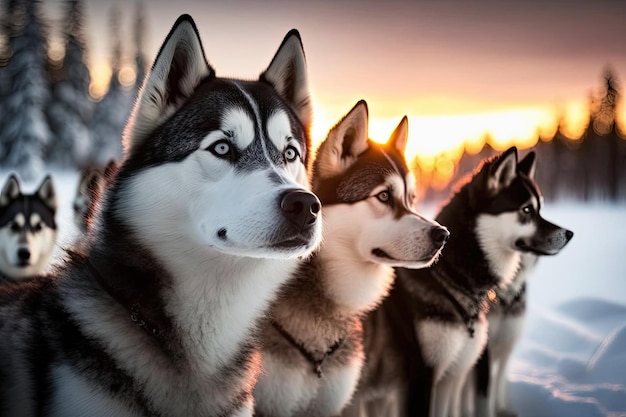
(47, 116)
(590, 167)
(49, 119)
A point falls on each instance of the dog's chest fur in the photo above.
(448, 347)
(450, 339)
(289, 385)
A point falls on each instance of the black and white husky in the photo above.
(508, 307)
(28, 229)
(427, 335)
(156, 314)
(312, 345)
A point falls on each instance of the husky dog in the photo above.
(91, 183)
(312, 347)
(156, 313)
(426, 336)
(28, 229)
(508, 306)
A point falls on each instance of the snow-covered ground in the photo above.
(572, 359)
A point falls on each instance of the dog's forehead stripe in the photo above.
(269, 158)
(23, 207)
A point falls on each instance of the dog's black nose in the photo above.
(439, 235)
(23, 254)
(300, 207)
(569, 234)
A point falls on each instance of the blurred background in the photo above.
(473, 77)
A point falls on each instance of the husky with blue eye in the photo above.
(28, 229)
(156, 313)
(312, 342)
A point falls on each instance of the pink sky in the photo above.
(421, 58)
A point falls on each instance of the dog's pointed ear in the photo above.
(528, 164)
(47, 194)
(10, 191)
(177, 70)
(90, 183)
(400, 136)
(344, 143)
(503, 170)
(287, 73)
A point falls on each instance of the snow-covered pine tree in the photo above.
(70, 108)
(112, 111)
(24, 131)
(140, 33)
(6, 25)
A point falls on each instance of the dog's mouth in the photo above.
(522, 246)
(379, 253)
(294, 242)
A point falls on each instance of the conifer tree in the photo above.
(112, 111)
(70, 109)
(139, 37)
(24, 131)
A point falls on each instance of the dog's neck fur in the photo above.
(513, 290)
(354, 285)
(328, 294)
(204, 296)
(465, 252)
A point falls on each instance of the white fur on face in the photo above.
(202, 195)
(370, 224)
(497, 235)
(40, 245)
(281, 135)
(358, 279)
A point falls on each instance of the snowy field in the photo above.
(572, 360)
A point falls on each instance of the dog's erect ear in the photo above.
(288, 74)
(503, 170)
(400, 136)
(344, 143)
(528, 165)
(47, 194)
(10, 191)
(90, 183)
(178, 69)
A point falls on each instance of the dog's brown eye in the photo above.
(15, 227)
(291, 154)
(37, 227)
(383, 196)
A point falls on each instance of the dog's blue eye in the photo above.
(222, 149)
(291, 154)
(527, 209)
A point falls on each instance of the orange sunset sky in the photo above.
(457, 69)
